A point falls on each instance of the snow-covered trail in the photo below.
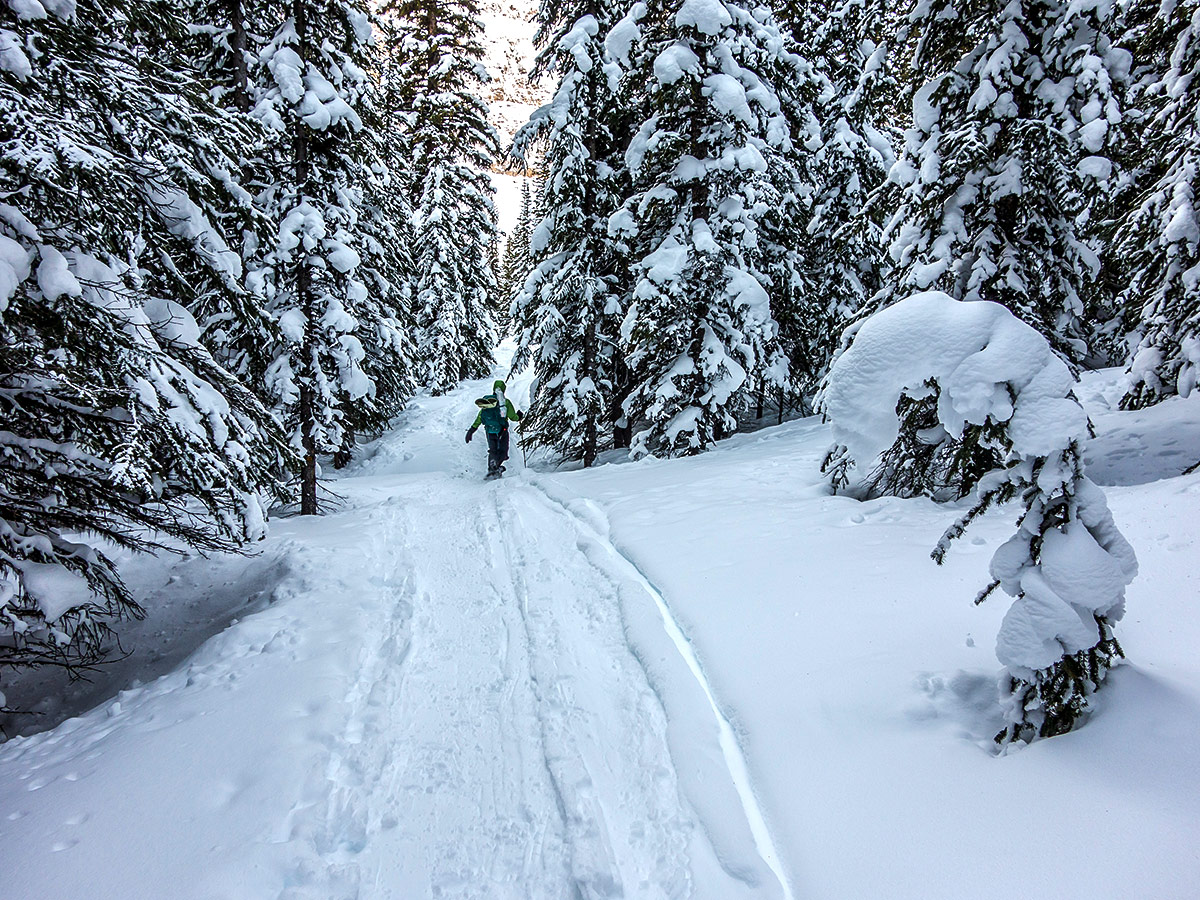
(546, 738)
(462, 691)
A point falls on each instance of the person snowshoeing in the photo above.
(495, 410)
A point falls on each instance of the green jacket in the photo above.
(492, 419)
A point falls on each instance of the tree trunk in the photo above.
(781, 399)
(591, 318)
(237, 46)
(589, 365)
(622, 436)
(622, 433)
(304, 296)
(759, 401)
(308, 469)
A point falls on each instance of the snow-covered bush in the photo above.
(985, 383)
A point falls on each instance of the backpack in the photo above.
(490, 414)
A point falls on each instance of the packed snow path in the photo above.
(546, 738)
(462, 691)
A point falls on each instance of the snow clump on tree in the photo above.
(997, 386)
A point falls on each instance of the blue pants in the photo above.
(497, 450)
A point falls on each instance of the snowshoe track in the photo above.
(627, 833)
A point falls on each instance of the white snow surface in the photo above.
(508, 199)
(702, 677)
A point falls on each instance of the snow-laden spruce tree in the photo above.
(846, 155)
(1160, 240)
(994, 382)
(516, 248)
(709, 161)
(225, 40)
(313, 92)
(119, 429)
(436, 57)
(235, 45)
(387, 252)
(565, 311)
(387, 271)
(1008, 149)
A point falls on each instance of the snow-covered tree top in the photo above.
(987, 363)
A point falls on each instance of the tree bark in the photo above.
(308, 469)
(304, 296)
(237, 46)
(622, 433)
(591, 320)
(589, 365)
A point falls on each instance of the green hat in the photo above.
(499, 385)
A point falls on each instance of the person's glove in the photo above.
(470, 434)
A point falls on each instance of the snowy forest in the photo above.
(242, 239)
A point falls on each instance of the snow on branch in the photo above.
(987, 387)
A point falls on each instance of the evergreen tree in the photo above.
(1005, 155)
(1160, 237)
(227, 37)
(119, 428)
(250, 330)
(393, 360)
(386, 274)
(845, 155)
(436, 53)
(983, 381)
(312, 90)
(516, 249)
(564, 311)
(709, 160)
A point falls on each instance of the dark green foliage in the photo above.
(119, 430)
(925, 461)
(1055, 698)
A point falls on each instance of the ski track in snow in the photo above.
(502, 737)
(592, 525)
(524, 727)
